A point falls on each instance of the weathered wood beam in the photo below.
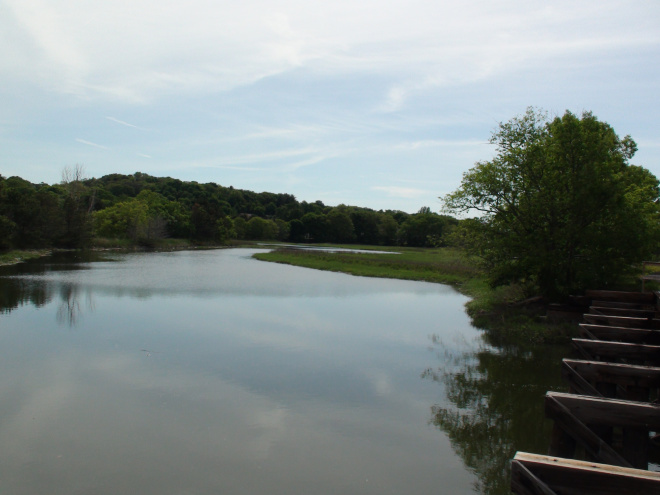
(630, 297)
(633, 353)
(609, 412)
(569, 423)
(621, 321)
(625, 375)
(572, 477)
(625, 334)
(628, 312)
(623, 305)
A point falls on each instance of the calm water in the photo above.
(212, 373)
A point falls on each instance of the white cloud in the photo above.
(136, 50)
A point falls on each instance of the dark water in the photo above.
(213, 373)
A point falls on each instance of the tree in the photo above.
(561, 207)
(339, 225)
(259, 229)
(425, 229)
(78, 205)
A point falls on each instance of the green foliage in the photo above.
(258, 229)
(426, 229)
(339, 225)
(142, 209)
(560, 205)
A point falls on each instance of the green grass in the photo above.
(18, 256)
(499, 311)
(445, 266)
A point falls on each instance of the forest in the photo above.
(144, 210)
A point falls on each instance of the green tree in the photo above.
(78, 206)
(225, 229)
(339, 225)
(560, 205)
(425, 229)
(259, 229)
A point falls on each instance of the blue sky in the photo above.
(383, 104)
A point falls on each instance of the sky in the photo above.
(375, 103)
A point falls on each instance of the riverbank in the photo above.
(507, 314)
(18, 256)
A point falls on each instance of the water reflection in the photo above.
(496, 406)
(17, 292)
(211, 372)
(30, 283)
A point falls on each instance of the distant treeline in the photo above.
(146, 209)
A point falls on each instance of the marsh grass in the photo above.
(501, 312)
(16, 256)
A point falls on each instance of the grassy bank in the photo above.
(18, 256)
(502, 312)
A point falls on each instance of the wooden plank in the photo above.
(625, 334)
(622, 305)
(609, 350)
(621, 321)
(585, 436)
(630, 297)
(626, 375)
(610, 311)
(572, 477)
(610, 412)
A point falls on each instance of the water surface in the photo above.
(210, 372)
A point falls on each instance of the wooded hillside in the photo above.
(144, 209)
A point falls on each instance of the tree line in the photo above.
(559, 208)
(144, 209)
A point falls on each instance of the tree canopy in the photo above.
(559, 205)
(145, 209)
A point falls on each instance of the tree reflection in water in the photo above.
(16, 292)
(494, 406)
(69, 310)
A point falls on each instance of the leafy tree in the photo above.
(560, 205)
(78, 206)
(425, 229)
(387, 229)
(125, 220)
(225, 229)
(296, 230)
(315, 226)
(239, 227)
(339, 225)
(259, 229)
(365, 222)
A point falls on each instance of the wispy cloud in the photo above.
(144, 156)
(434, 143)
(89, 143)
(112, 119)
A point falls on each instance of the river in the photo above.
(207, 372)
